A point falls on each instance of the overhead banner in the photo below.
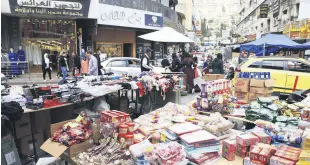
(263, 12)
(78, 8)
(128, 17)
(275, 8)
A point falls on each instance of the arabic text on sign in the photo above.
(50, 4)
(114, 15)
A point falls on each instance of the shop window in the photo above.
(276, 65)
(118, 63)
(134, 63)
(298, 66)
(111, 49)
(255, 64)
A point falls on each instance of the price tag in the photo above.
(79, 119)
(149, 149)
(162, 137)
(10, 158)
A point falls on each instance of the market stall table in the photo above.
(32, 118)
(231, 117)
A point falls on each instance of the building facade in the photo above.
(253, 22)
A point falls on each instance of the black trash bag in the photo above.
(197, 88)
(12, 110)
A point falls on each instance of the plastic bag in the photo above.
(101, 105)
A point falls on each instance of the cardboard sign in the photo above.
(211, 77)
(242, 85)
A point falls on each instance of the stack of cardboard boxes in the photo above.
(249, 89)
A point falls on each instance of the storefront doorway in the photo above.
(127, 50)
(40, 36)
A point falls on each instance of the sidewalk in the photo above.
(34, 78)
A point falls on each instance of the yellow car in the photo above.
(288, 73)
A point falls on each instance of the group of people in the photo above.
(87, 64)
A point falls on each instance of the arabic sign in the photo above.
(263, 11)
(298, 29)
(50, 7)
(275, 8)
(127, 17)
(153, 20)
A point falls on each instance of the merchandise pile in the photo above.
(264, 108)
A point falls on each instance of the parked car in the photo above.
(287, 72)
(126, 65)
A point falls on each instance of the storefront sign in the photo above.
(275, 8)
(127, 17)
(153, 20)
(298, 29)
(50, 7)
(263, 11)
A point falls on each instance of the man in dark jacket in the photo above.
(145, 61)
(76, 63)
(217, 64)
(176, 63)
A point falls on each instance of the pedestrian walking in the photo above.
(76, 64)
(92, 64)
(46, 66)
(97, 55)
(84, 66)
(63, 66)
(188, 63)
(145, 64)
(217, 65)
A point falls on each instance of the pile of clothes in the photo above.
(264, 108)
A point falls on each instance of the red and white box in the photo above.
(247, 139)
(262, 137)
(241, 150)
(265, 155)
(229, 149)
(254, 154)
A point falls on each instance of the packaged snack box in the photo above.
(229, 149)
(247, 139)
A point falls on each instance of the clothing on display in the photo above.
(13, 59)
(22, 57)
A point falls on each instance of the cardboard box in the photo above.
(56, 149)
(287, 155)
(287, 148)
(242, 85)
(25, 144)
(244, 96)
(262, 137)
(229, 149)
(22, 126)
(211, 77)
(42, 120)
(262, 83)
(253, 96)
(274, 160)
(247, 161)
(305, 156)
(247, 139)
(261, 90)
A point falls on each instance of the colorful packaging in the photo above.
(254, 154)
(262, 137)
(229, 149)
(247, 139)
(287, 148)
(274, 160)
(265, 155)
(241, 151)
(287, 155)
(247, 161)
(305, 156)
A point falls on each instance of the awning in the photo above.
(166, 34)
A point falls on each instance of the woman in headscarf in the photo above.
(46, 66)
(188, 63)
(217, 64)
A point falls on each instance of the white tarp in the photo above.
(166, 34)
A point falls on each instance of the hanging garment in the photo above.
(14, 68)
(84, 66)
(4, 64)
(22, 57)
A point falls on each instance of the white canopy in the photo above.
(166, 34)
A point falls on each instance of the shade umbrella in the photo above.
(166, 34)
(306, 45)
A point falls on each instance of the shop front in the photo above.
(39, 27)
(119, 27)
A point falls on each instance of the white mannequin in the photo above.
(11, 50)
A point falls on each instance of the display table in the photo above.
(32, 117)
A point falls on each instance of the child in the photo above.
(231, 73)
